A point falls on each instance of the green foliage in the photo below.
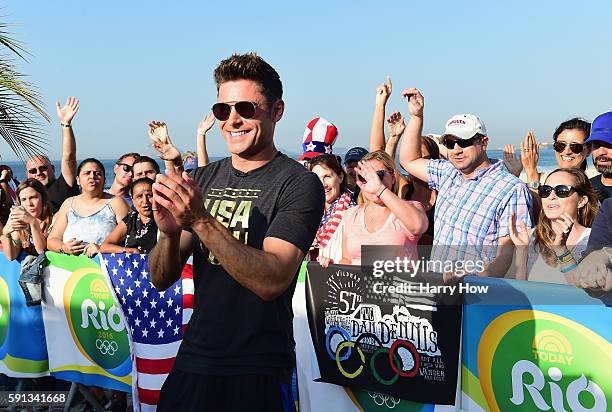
(21, 107)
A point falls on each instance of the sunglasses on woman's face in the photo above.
(576, 148)
(562, 191)
(39, 169)
(450, 143)
(379, 173)
(245, 109)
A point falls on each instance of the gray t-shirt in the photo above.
(233, 331)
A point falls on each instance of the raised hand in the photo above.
(561, 226)
(20, 215)
(530, 154)
(67, 112)
(416, 101)
(518, 237)
(373, 185)
(513, 164)
(205, 124)
(158, 132)
(396, 124)
(384, 91)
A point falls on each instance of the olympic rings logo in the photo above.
(106, 347)
(381, 399)
(405, 364)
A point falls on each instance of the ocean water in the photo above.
(547, 163)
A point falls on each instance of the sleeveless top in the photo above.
(90, 229)
(537, 268)
(142, 236)
(391, 233)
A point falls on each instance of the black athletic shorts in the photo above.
(184, 391)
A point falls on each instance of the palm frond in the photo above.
(21, 108)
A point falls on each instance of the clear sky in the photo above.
(522, 65)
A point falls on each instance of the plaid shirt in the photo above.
(475, 213)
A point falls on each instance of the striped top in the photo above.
(475, 213)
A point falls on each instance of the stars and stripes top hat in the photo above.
(319, 137)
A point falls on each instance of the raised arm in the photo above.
(396, 130)
(66, 114)
(203, 127)
(158, 132)
(377, 131)
(410, 149)
(411, 214)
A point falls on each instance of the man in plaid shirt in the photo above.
(476, 200)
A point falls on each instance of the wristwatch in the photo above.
(534, 185)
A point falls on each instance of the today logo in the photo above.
(95, 320)
(530, 360)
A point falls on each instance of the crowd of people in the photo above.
(249, 220)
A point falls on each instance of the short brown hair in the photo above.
(250, 66)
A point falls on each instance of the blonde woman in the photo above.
(382, 218)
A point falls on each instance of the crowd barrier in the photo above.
(520, 356)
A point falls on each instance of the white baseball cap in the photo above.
(464, 126)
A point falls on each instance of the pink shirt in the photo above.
(392, 233)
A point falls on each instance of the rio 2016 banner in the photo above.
(401, 344)
(523, 353)
(82, 318)
(23, 351)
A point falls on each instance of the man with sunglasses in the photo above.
(475, 197)
(124, 173)
(39, 167)
(251, 219)
(600, 144)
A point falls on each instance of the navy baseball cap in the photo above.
(601, 129)
(355, 154)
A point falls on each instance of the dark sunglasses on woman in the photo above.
(450, 143)
(562, 191)
(245, 109)
(576, 148)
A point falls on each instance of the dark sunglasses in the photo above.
(379, 173)
(450, 144)
(562, 191)
(576, 148)
(126, 167)
(245, 109)
(42, 168)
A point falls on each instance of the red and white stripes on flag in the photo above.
(156, 321)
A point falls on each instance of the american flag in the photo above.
(156, 321)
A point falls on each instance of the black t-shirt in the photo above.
(59, 191)
(603, 192)
(232, 331)
(142, 236)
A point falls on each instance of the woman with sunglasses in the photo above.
(382, 217)
(549, 252)
(29, 222)
(570, 151)
(327, 246)
(84, 221)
